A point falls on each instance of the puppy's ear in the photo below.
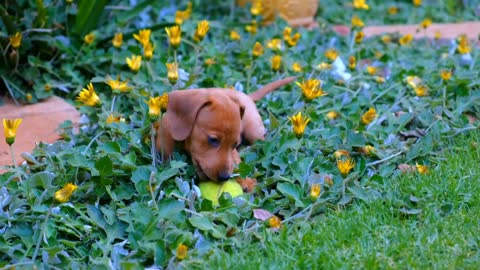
(182, 110)
(240, 106)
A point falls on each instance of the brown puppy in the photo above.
(210, 124)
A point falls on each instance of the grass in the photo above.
(377, 235)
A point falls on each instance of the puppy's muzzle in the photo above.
(223, 176)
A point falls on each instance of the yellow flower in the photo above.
(182, 15)
(368, 117)
(172, 72)
(331, 54)
(202, 29)
(274, 222)
(117, 85)
(360, 4)
(88, 96)
(257, 49)
(10, 127)
(368, 150)
(293, 40)
(352, 62)
(357, 22)
(386, 39)
(341, 153)
(422, 169)
(315, 190)
(426, 23)
(359, 37)
(117, 40)
(181, 252)
(143, 36)
(234, 35)
(323, 66)
(112, 119)
(297, 67)
(446, 75)
(345, 166)
(89, 38)
(413, 81)
(209, 61)
(287, 32)
(175, 35)
(252, 28)
(148, 51)
(276, 61)
(421, 90)
(47, 87)
(134, 62)
(406, 39)
(380, 79)
(371, 70)
(157, 104)
(331, 115)
(311, 88)
(289, 39)
(299, 123)
(275, 44)
(437, 35)
(378, 54)
(463, 45)
(16, 40)
(392, 10)
(417, 3)
(256, 8)
(64, 194)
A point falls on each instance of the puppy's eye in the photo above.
(213, 141)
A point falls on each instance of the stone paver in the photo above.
(448, 31)
(40, 122)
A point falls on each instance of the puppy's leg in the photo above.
(247, 184)
(164, 141)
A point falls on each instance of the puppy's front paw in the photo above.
(247, 184)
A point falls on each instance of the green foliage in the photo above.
(130, 210)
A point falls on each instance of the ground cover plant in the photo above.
(364, 111)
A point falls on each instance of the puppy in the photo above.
(210, 124)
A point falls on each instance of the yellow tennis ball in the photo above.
(210, 191)
(232, 187)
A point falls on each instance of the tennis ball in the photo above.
(232, 187)
(212, 191)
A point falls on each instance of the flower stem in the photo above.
(15, 164)
(90, 143)
(42, 231)
(152, 150)
(113, 103)
(444, 97)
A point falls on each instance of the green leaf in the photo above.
(88, 15)
(104, 166)
(274, 123)
(204, 224)
(292, 192)
(169, 208)
(360, 193)
(355, 139)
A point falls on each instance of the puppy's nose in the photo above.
(223, 176)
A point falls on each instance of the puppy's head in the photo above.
(209, 123)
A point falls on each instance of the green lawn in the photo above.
(444, 235)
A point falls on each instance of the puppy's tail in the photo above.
(260, 93)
